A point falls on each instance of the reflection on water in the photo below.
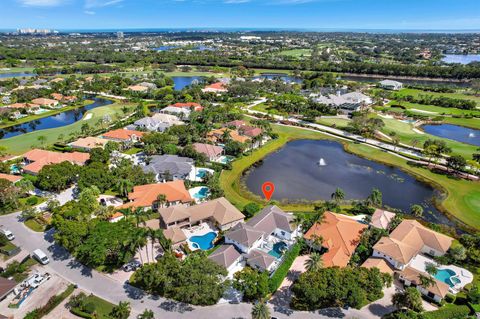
(53, 121)
(297, 176)
(454, 132)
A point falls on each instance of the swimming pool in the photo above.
(15, 169)
(199, 193)
(446, 276)
(202, 172)
(204, 242)
(278, 250)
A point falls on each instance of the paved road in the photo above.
(109, 289)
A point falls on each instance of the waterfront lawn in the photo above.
(462, 198)
(33, 117)
(472, 123)
(416, 93)
(16, 70)
(432, 110)
(404, 131)
(337, 122)
(22, 143)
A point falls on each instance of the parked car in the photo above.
(7, 233)
(132, 265)
(40, 256)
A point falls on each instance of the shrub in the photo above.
(449, 298)
(282, 270)
(449, 311)
(251, 209)
(81, 314)
(53, 302)
(32, 201)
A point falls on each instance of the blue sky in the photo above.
(335, 14)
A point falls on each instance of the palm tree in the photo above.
(315, 262)
(338, 195)
(426, 281)
(375, 198)
(122, 311)
(162, 200)
(260, 311)
(124, 186)
(431, 269)
(146, 314)
(416, 210)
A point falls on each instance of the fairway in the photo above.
(462, 198)
(22, 143)
(416, 93)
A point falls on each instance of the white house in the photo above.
(391, 85)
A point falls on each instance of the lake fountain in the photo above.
(301, 180)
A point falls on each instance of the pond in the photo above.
(282, 76)
(454, 132)
(461, 58)
(15, 75)
(181, 82)
(311, 170)
(53, 121)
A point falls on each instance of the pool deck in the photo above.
(193, 173)
(420, 262)
(199, 230)
(195, 190)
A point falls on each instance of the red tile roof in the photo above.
(122, 134)
(40, 158)
(11, 178)
(189, 105)
(146, 195)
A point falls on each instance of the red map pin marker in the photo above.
(268, 188)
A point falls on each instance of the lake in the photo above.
(461, 58)
(282, 76)
(53, 121)
(182, 81)
(15, 75)
(297, 175)
(454, 132)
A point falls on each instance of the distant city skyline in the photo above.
(348, 15)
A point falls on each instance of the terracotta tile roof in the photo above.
(236, 123)
(57, 96)
(188, 105)
(6, 286)
(216, 87)
(439, 288)
(217, 135)
(408, 239)
(379, 263)
(122, 134)
(43, 101)
(89, 142)
(146, 195)
(340, 236)
(11, 178)
(41, 158)
(22, 105)
(210, 150)
(381, 218)
(138, 88)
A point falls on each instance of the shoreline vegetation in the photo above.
(460, 200)
(35, 117)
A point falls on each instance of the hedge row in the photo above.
(53, 302)
(77, 312)
(282, 271)
(449, 311)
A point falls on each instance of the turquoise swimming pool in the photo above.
(204, 242)
(200, 193)
(278, 250)
(15, 169)
(446, 276)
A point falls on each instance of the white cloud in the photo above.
(42, 3)
(236, 1)
(101, 3)
(89, 12)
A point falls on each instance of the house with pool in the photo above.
(199, 223)
(263, 240)
(408, 250)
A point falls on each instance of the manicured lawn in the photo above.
(436, 110)
(415, 92)
(22, 143)
(462, 198)
(296, 53)
(473, 123)
(46, 114)
(338, 122)
(35, 226)
(102, 307)
(133, 150)
(16, 70)
(260, 71)
(262, 107)
(406, 135)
